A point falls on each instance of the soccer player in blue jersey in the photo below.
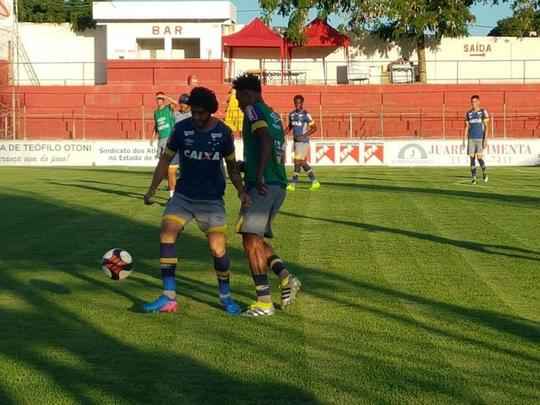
(476, 125)
(202, 142)
(302, 127)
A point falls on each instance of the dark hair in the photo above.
(475, 97)
(299, 97)
(247, 81)
(160, 93)
(204, 98)
(184, 99)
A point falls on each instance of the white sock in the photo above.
(171, 193)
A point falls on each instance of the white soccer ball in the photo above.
(117, 264)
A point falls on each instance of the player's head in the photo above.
(475, 102)
(183, 103)
(248, 89)
(160, 98)
(203, 103)
(298, 102)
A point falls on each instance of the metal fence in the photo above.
(386, 123)
(309, 71)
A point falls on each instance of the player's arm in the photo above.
(162, 168)
(233, 168)
(312, 126)
(486, 121)
(155, 133)
(290, 126)
(265, 154)
(161, 171)
(466, 132)
(171, 101)
(235, 175)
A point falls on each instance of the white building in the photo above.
(164, 29)
(52, 54)
(6, 25)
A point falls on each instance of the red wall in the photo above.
(116, 111)
(164, 72)
(4, 73)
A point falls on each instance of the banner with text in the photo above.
(518, 152)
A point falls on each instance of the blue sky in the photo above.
(486, 15)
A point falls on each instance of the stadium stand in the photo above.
(387, 111)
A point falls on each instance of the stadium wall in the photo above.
(4, 73)
(323, 153)
(358, 112)
(163, 72)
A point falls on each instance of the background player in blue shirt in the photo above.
(476, 125)
(202, 143)
(302, 127)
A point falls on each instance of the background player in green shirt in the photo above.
(266, 181)
(164, 122)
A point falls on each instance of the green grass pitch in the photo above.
(419, 289)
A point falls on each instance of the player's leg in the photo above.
(253, 226)
(289, 284)
(211, 218)
(222, 263)
(471, 150)
(176, 216)
(171, 227)
(315, 185)
(482, 163)
(256, 255)
(472, 159)
(296, 174)
(297, 168)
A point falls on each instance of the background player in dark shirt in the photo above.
(476, 129)
(302, 127)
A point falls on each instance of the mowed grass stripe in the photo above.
(466, 292)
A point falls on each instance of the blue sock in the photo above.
(222, 265)
(168, 261)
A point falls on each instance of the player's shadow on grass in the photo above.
(492, 249)
(113, 190)
(105, 365)
(108, 367)
(531, 202)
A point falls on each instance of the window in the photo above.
(151, 48)
(186, 48)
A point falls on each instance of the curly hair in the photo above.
(247, 81)
(204, 98)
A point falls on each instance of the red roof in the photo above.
(254, 35)
(4, 11)
(319, 34)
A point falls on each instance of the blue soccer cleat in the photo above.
(231, 307)
(162, 304)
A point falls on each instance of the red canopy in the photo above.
(254, 35)
(319, 34)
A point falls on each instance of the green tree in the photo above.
(422, 21)
(76, 12)
(79, 14)
(522, 24)
(41, 11)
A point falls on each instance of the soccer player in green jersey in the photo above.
(266, 183)
(164, 122)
